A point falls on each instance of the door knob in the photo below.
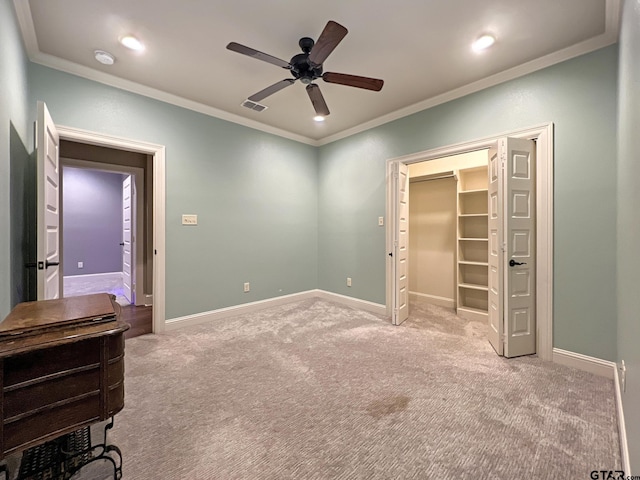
(513, 263)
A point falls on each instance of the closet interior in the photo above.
(448, 233)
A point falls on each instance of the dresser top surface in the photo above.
(35, 316)
(47, 323)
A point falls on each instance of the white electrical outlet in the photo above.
(380, 221)
(623, 376)
(189, 219)
(247, 287)
(348, 281)
(80, 264)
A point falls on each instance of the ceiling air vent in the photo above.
(254, 106)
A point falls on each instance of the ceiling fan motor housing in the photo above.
(301, 68)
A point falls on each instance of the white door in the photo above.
(519, 280)
(512, 315)
(48, 187)
(127, 238)
(400, 311)
(496, 264)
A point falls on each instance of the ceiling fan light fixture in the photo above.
(132, 43)
(103, 57)
(483, 42)
(308, 67)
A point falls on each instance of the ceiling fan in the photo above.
(307, 67)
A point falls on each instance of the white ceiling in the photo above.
(421, 48)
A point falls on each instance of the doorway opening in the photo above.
(542, 271)
(104, 225)
(448, 233)
(82, 149)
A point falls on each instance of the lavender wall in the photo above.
(92, 216)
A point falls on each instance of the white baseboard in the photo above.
(594, 365)
(606, 369)
(198, 318)
(93, 275)
(433, 299)
(352, 302)
(622, 429)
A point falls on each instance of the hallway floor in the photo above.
(101, 283)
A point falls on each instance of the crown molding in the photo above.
(134, 87)
(23, 13)
(609, 37)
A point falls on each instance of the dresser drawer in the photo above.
(51, 423)
(51, 361)
(42, 395)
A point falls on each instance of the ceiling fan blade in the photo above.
(236, 47)
(353, 81)
(270, 90)
(330, 37)
(317, 99)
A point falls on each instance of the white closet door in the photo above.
(401, 245)
(520, 214)
(495, 253)
(512, 316)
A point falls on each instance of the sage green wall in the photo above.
(288, 217)
(579, 96)
(629, 222)
(255, 194)
(13, 155)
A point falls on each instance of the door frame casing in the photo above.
(159, 196)
(543, 135)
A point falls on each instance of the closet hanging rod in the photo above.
(435, 176)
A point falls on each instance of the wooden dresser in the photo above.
(61, 368)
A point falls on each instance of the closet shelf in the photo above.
(478, 311)
(473, 286)
(473, 243)
(479, 190)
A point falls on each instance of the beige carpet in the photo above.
(316, 390)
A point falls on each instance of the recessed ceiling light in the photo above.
(103, 57)
(132, 43)
(484, 42)
(319, 118)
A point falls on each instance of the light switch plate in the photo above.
(380, 221)
(190, 219)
